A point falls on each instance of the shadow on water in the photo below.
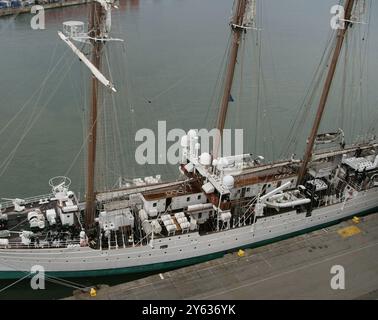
(23, 290)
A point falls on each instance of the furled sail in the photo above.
(89, 64)
(250, 14)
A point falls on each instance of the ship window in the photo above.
(164, 246)
(248, 189)
(154, 205)
(188, 199)
(199, 197)
(200, 215)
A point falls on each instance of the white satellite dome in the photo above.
(229, 182)
(222, 163)
(184, 141)
(192, 133)
(205, 159)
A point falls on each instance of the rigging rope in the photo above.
(4, 165)
(40, 89)
(298, 122)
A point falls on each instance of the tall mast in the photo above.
(96, 26)
(98, 33)
(327, 86)
(237, 30)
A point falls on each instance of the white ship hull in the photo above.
(181, 249)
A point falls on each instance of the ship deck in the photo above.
(295, 268)
(172, 191)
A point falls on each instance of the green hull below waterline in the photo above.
(173, 264)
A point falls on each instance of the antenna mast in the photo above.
(98, 34)
(327, 86)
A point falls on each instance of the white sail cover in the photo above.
(84, 59)
(250, 14)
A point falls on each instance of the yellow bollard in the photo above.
(241, 253)
(93, 292)
(356, 219)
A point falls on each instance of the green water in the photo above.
(174, 51)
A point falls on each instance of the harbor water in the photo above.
(167, 70)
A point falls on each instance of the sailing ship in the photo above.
(221, 204)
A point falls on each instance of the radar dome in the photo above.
(229, 182)
(222, 163)
(192, 133)
(205, 159)
(184, 141)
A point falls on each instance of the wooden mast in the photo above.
(97, 20)
(237, 30)
(326, 89)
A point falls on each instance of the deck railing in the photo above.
(41, 245)
(8, 203)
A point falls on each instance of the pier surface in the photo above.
(296, 268)
(16, 11)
